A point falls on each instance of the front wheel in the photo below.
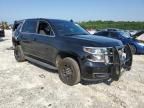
(18, 53)
(69, 71)
(133, 49)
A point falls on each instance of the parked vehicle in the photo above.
(2, 33)
(133, 32)
(62, 45)
(138, 33)
(140, 38)
(125, 37)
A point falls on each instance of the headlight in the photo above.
(97, 54)
(141, 44)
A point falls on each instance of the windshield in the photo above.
(66, 28)
(125, 34)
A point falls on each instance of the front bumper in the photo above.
(93, 71)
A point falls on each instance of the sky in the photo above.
(78, 10)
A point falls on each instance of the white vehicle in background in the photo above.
(133, 32)
(141, 37)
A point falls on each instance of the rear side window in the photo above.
(113, 35)
(15, 27)
(29, 26)
(102, 33)
(18, 27)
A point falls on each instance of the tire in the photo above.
(133, 48)
(18, 53)
(116, 68)
(69, 71)
(116, 75)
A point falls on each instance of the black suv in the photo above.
(64, 45)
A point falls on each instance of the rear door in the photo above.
(28, 31)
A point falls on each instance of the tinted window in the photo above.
(125, 34)
(102, 33)
(113, 35)
(44, 28)
(66, 28)
(29, 26)
(16, 25)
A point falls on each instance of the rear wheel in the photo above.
(18, 53)
(133, 48)
(69, 71)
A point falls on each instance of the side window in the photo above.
(16, 26)
(103, 34)
(44, 29)
(29, 26)
(113, 35)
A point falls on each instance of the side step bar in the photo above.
(40, 63)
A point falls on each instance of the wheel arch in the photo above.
(132, 44)
(62, 55)
(15, 42)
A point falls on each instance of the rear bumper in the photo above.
(92, 71)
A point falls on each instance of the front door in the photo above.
(43, 42)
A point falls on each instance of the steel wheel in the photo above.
(69, 71)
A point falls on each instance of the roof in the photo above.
(40, 19)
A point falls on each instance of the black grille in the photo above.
(121, 56)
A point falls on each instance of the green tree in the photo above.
(111, 24)
(4, 25)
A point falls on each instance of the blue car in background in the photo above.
(136, 46)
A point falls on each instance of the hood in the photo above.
(97, 41)
(132, 39)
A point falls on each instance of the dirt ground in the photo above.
(25, 85)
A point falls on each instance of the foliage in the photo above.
(4, 25)
(112, 24)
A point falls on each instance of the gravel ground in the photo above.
(24, 85)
